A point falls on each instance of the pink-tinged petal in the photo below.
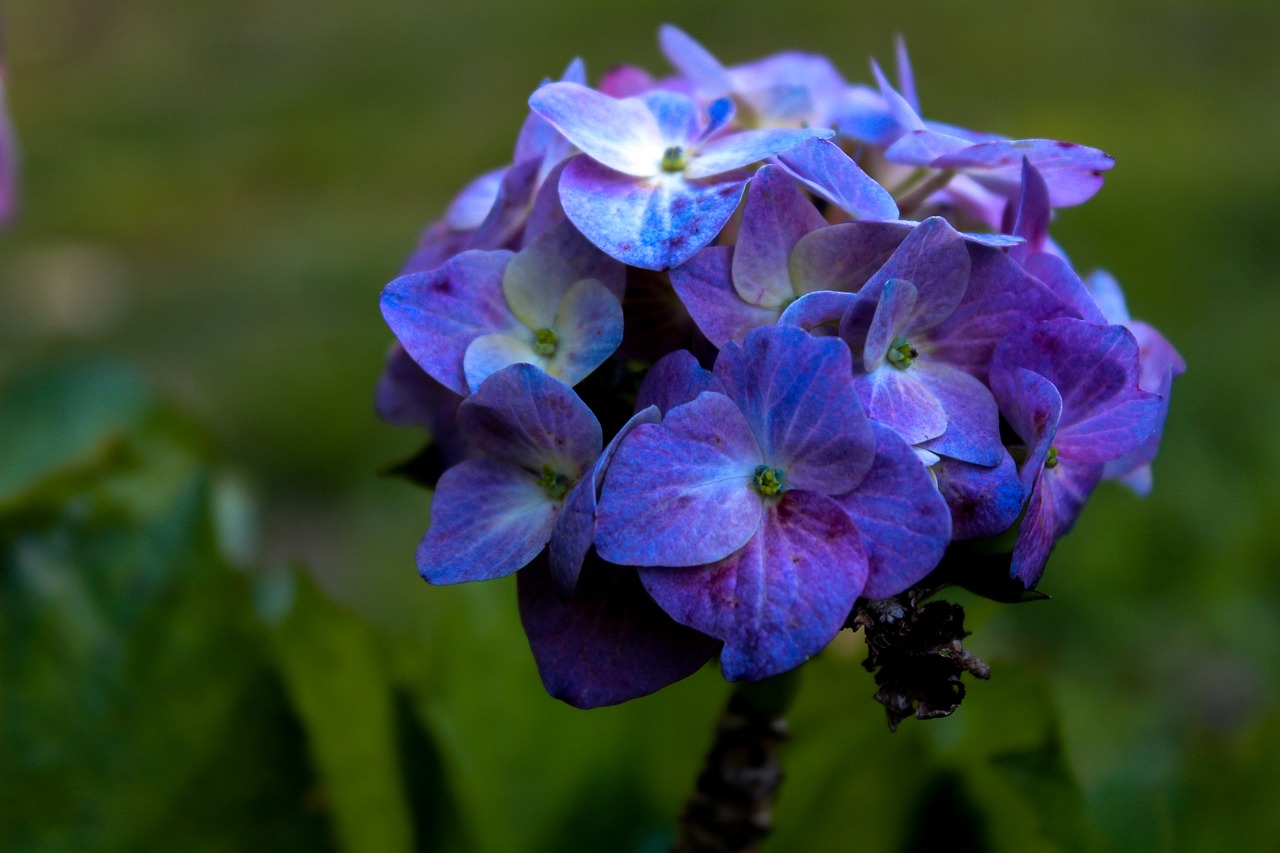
(576, 525)
(1072, 482)
(973, 419)
(589, 326)
(541, 273)
(1158, 365)
(796, 391)
(1001, 298)
(899, 400)
(626, 81)
(510, 208)
(1036, 536)
(1032, 406)
(1073, 173)
(843, 257)
(903, 521)
(619, 133)
(654, 224)
(734, 151)
(826, 171)
(1032, 222)
(475, 201)
(675, 379)
(818, 312)
(709, 78)
(1095, 369)
(1056, 274)
(523, 416)
(776, 216)
(782, 597)
(984, 500)
(488, 519)
(895, 304)
(680, 493)
(436, 315)
(704, 285)
(935, 260)
(488, 354)
(609, 642)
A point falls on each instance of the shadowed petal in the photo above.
(1057, 275)
(510, 207)
(843, 257)
(609, 642)
(677, 378)
(822, 309)
(436, 315)
(542, 272)
(488, 519)
(746, 147)
(525, 417)
(903, 521)
(796, 391)
(934, 259)
(1033, 407)
(895, 303)
(775, 217)
(778, 600)
(654, 224)
(679, 493)
(488, 354)
(826, 171)
(589, 325)
(984, 500)
(619, 133)
(973, 419)
(705, 288)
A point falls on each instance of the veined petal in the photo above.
(796, 391)
(679, 493)
(523, 416)
(609, 642)
(589, 326)
(825, 170)
(899, 400)
(778, 600)
(843, 257)
(775, 217)
(736, 150)
(902, 519)
(704, 286)
(934, 259)
(895, 303)
(488, 519)
(619, 133)
(654, 224)
(973, 419)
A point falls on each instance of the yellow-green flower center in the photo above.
(901, 353)
(557, 485)
(673, 159)
(544, 342)
(768, 480)
(1051, 461)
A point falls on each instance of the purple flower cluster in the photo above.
(808, 396)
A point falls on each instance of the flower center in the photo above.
(673, 159)
(1051, 461)
(901, 353)
(545, 341)
(768, 480)
(555, 484)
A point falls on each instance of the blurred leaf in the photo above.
(335, 679)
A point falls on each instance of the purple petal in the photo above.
(407, 396)
(677, 115)
(679, 493)
(488, 519)
(589, 325)
(436, 244)
(619, 133)
(903, 521)
(1109, 297)
(436, 315)
(511, 206)
(704, 71)
(923, 147)
(546, 212)
(523, 416)
(843, 257)
(899, 400)
(675, 379)
(705, 287)
(934, 259)
(1033, 408)
(796, 391)
(1073, 173)
(541, 273)
(906, 78)
(895, 303)
(984, 501)
(775, 217)
(473, 204)
(778, 600)
(904, 113)
(822, 309)
(1056, 274)
(825, 170)
(1032, 223)
(608, 643)
(973, 419)
(654, 224)
(537, 137)
(736, 150)
(1056, 501)
(626, 81)
(576, 525)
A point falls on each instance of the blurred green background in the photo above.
(212, 635)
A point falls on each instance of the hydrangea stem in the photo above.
(731, 807)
